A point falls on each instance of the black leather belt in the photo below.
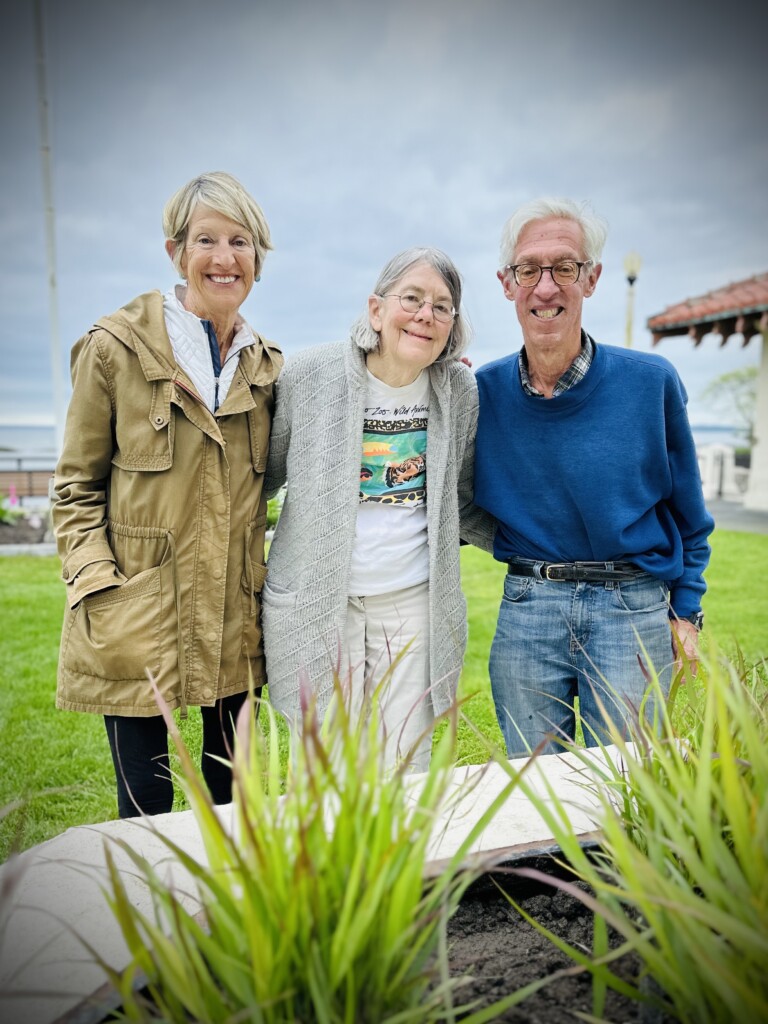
(588, 572)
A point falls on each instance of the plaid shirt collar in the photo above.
(576, 371)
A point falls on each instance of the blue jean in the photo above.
(556, 641)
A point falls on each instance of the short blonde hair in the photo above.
(223, 193)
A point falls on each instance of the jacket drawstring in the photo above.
(249, 572)
(179, 641)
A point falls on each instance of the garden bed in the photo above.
(499, 952)
(489, 941)
(25, 530)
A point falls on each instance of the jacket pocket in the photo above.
(254, 575)
(123, 633)
(259, 426)
(145, 439)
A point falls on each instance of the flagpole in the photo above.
(50, 230)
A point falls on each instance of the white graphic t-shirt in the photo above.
(390, 550)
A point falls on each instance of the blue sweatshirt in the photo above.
(606, 471)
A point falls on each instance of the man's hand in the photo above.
(685, 639)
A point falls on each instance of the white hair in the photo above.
(363, 334)
(593, 228)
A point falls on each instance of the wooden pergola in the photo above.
(737, 312)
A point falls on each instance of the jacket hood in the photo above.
(140, 326)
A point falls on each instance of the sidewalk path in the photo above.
(28, 549)
(731, 515)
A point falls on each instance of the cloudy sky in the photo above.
(363, 128)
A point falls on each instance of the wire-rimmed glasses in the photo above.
(412, 304)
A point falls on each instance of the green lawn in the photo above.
(60, 761)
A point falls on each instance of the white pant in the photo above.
(378, 629)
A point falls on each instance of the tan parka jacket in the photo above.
(160, 517)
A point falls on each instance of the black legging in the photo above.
(140, 755)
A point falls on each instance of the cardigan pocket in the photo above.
(278, 598)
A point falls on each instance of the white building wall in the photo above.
(757, 492)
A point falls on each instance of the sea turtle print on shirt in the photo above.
(394, 463)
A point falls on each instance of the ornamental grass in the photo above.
(681, 877)
(313, 905)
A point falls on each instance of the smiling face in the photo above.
(409, 342)
(219, 263)
(549, 313)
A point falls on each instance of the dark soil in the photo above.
(492, 943)
(24, 531)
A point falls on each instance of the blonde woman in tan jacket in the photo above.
(160, 510)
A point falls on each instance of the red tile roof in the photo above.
(733, 300)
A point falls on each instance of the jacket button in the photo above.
(207, 693)
(217, 574)
(65, 574)
(213, 637)
(159, 420)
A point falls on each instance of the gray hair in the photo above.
(223, 193)
(363, 334)
(593, 228)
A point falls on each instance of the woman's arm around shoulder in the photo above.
(476, 525)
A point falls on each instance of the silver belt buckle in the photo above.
(554, 565)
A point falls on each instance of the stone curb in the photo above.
(28, 549)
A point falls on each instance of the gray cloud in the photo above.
(363, 128)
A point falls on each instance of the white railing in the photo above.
(720, 476)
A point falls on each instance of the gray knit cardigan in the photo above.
(316, 448)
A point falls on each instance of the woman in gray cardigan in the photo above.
(374, 438)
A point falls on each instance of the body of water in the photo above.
(42, 440)
(27, 439)
(736, 436)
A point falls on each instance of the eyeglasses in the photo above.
(412, 304)
(528, 275)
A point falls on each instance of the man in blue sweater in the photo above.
(585, 459)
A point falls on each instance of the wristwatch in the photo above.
(697, 619)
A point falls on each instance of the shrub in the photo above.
(10, 514)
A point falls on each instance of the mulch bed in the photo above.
(489, 941)
(24, 531)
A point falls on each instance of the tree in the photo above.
(735, 394)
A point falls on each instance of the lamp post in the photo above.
(632, 264)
